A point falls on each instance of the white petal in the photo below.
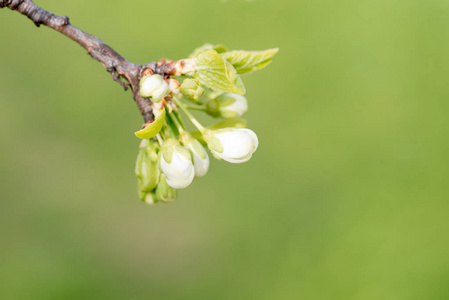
(235, 143)
(236, 160)
(238, 144)
(252, 135)
(200, 164)
(161, 92)
(179, 172)
(240, 106)
(149, 85)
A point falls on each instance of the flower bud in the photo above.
(235, 145)
(191, 89)
(200, 157)
(154, 86)
(176, 164)
(227, 106)
(150, 198)
(164, 192)
(147, 170)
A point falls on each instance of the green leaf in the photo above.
(249, 61)
(217, 73)
(219, 48)
(153, 128)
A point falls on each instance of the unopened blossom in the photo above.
(227, 105)
(176, 163)
(200, 157)
(154, 86)
(235, 145)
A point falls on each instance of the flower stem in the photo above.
(171, 127)
(189, 115)
(176, 122)
(201, 108)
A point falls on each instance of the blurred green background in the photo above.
(346, 197)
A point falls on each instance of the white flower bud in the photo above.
(227, 105)
(235, 145)
(200, 157)
(154, 86)
(176, 164)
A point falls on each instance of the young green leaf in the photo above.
(217, 74)
(153, 128)
(219, 48)
(249, 61)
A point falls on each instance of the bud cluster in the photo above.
(169, 156)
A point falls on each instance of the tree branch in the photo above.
(115, 64)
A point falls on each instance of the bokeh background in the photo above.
(346, 197)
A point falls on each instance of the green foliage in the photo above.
(152, 129)
(217, 73)
(219, 48)
(249, 61)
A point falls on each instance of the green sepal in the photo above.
(184, 152)
(139, 162)
(217, 73)
(164, 192)
(147, 170)
(249, 61)
(167, 154)
(224, 100)
(212, 142)
(217, 107)
(227, 114)
(216, 156)
(229, 123)
(213, 108)
(219, 48)
(199, 149)
(168, 148)
(215, 145)
(187, 139)
(153, 128)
